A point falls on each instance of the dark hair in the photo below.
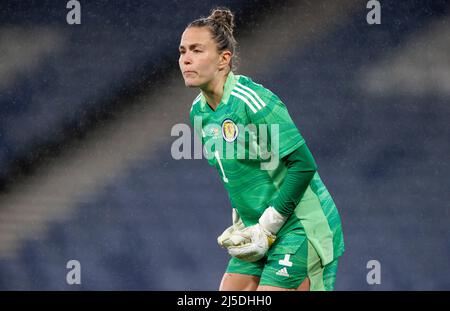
(221, 24)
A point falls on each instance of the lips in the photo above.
(189, 72)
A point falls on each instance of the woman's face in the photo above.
(199, 59)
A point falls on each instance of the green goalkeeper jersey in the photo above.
(245, 139)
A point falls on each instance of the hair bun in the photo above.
(224, 17)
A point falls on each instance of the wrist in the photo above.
(271, 220)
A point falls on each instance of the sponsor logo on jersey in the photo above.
(214, 132)
(230, 130)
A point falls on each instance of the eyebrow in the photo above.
(192, 46)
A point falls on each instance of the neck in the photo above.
(213, 91)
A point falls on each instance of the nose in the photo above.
(187, 60)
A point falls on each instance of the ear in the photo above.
(225, 58)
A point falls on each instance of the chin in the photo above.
(190, 83)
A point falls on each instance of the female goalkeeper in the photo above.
(286, 232)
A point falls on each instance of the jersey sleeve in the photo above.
(272, 112)
(301, 169)
(196, 125)
(192, 115)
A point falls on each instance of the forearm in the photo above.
(252, 243)
(301, 169)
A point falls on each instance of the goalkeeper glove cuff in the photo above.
(271, 220)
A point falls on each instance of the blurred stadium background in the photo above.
(86, 111)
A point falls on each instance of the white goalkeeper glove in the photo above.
(252, 243)
(228, 237)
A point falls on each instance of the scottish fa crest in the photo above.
(230, 130)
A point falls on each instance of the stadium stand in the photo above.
(381, 150)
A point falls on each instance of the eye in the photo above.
(197, 51)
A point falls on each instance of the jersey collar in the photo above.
(228, 87)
